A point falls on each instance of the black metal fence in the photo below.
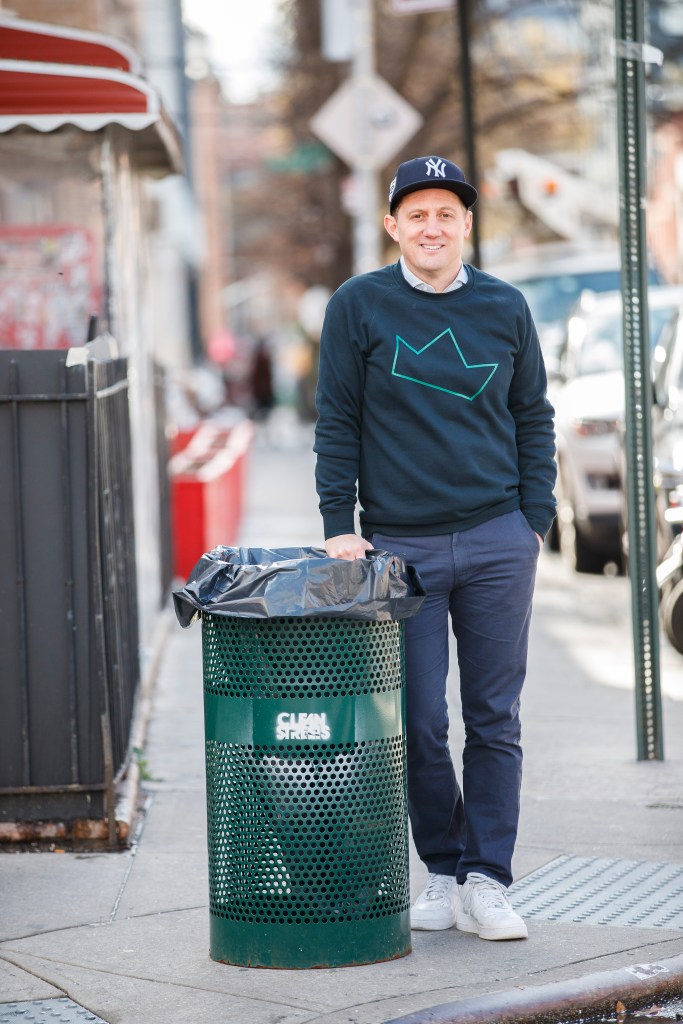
(68, 607)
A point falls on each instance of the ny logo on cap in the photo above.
(436, 165)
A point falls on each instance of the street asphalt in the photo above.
(126, 935)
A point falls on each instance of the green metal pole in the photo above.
(630, 23)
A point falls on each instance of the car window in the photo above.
(602, 346)
(669, 379)
(551, 298)
(678, 361)
(664, 349)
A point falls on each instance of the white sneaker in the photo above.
(485, 910)
(436, 907)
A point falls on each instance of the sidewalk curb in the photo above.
(558, 1001)
(129, 786)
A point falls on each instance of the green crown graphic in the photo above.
(460, 379)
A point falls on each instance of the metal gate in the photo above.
(68, 606)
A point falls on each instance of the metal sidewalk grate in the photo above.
(592, 890)
(46, 1011)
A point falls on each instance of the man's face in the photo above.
(430, 227)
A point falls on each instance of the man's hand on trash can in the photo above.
(347, 546)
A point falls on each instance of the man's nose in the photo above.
(432, 226)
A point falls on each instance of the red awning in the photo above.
(46, 96)
(82, 79)
(55, 44)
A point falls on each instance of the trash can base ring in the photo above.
(301, 947)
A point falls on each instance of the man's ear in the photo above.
(390, 226)
(468, 223)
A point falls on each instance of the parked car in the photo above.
(589, 408)
(552, 277)
(667, 449)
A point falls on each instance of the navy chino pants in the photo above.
(483, 578)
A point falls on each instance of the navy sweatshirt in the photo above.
(434, 406)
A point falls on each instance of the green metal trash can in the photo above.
(306, 789)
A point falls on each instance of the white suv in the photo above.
(589, 413)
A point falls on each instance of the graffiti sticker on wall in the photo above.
(48, 286)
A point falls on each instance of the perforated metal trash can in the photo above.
(306, 791)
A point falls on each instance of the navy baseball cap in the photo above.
(430, 172)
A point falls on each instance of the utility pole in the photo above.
(465, 71)
(631, 54)
(365, 122)
(366, 249)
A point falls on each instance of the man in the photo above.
(432, 402)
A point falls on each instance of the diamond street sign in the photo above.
(366, 123)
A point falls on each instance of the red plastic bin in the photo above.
(207, 491)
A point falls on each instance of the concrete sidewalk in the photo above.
(125, 935)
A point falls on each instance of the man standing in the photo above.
(433, 412)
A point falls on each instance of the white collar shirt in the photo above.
(415, 282)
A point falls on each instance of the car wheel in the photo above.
(671, 612)
(576, 552)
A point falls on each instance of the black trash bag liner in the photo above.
(265, 583)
